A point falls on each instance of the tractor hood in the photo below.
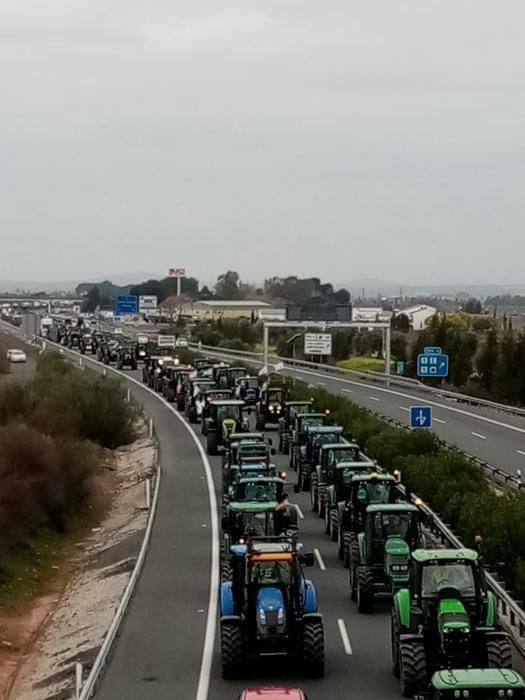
(454, 628)
(397, 554)
(271, 615)
(228, 427)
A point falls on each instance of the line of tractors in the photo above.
(446, 637)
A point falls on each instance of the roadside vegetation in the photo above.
(452, 486)
(52, 431)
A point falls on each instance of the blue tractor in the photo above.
(269, 607)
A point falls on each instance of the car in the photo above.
(16, 355)
(273, 694)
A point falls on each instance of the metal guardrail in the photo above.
(391, 380)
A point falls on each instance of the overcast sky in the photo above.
(336, 138)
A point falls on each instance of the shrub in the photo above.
(4, 362)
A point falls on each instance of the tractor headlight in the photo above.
(158, 370)
(270, 409)
(399, 567)
(262, 616)
(142, 353)
(280, 616)
(278, 409)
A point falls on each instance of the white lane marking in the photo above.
(453, 409)
(209, 635)
(404, 408)
(521, 452)
(319, 558)
(299, 511)
(438, 420)
(322, 383)
(347, 391)
(374, 398)
(344, 637)
(478, 435)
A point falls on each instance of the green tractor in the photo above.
(361, 490)
(339, 478)
(229, 456)
(247, 458)
(208, 396)
(287, 421)
(244, 519)
(256, 489)
(379, 559)
(328, 457)
(445, 618)
(298, 435)
(270, 405)
(475, 684)
(224, 418)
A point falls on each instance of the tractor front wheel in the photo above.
(412, 667)
(499, 652)
(347, 547)
(192, 415)
(394, 643)
(180, 402)
(231, 650)
(313, 648)
(334, 524)
(365, 590)
(212, 443)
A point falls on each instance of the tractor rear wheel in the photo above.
(226, 571)
(231, 650)
(192, 414)
(180, 402)
(212, 443)
(327, 519)
(347, 548)
(313, 648)
(499, 652)
(334, 524)
(321, 501)
(365, 590)
(412, 667)
(313, 494)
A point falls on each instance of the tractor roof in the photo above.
(255, 438)
(364, 464)
(299, 403)
(227, 402)
(340, 446)
(486, 678)
(374, 476)
(324, 429)
(422, 556)
(392, 508)
(260, 480)
(252, 506)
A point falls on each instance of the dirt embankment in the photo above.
(41, 640)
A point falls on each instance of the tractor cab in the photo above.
(367, 489)
(203, 363)
(445, 617)
(287, 420)
(231, 447)
(475, 684)
(298, 435)
(208, 396)
(330, 455)
(379, 562)
(126, 357)
(247, 389)
(220, 375)
(270, 607)
(247, 459)
(258, 489)
(224, 418)
(235, 373)
(308, 454)
(194, 397)
(172, 377)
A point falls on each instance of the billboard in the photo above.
(320, 312)
(166, 341)
(148, 302)
(317, 344)
(177, 272)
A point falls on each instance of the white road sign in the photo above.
(147, 302)
(317, 344)
(166, 341)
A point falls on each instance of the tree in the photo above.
(342, 296)
(92, 300)
(503, 385)
(488, 360)
(473, 306)
(227, 285)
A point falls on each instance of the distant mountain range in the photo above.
(375, 287)
(70, 285)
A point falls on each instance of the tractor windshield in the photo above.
(350, 454)
(255, 524)
(257, 491)
(370, 492)
(224, 412)
(438, 575)
(394, 525)
(272, 572)
(314, 421)
(275, 396)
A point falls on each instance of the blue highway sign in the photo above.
(400, 367)
(126, 305)
(420, 416)
(433, 350)
(432, 365)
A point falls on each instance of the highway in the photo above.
(163, 641)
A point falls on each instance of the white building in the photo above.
(418, 316)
